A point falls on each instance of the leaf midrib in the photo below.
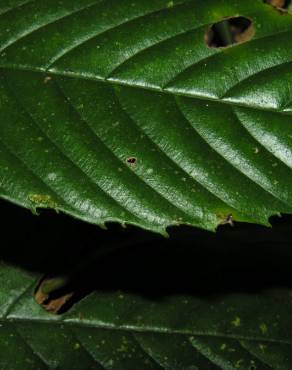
(135, 329)
(51, 70)
(134, 85)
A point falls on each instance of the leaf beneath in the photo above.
(86, 86)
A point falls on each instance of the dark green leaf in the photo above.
(199, 136)
(125, 331)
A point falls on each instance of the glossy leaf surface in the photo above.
(119, 111)
(124, 331)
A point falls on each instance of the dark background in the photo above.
(245, 257)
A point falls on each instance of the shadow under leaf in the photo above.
(243, 258)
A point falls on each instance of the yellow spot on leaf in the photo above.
(262, 347)
(238, 363)
(44, 201)
(264, 328)
(47, 79)
(236, 322)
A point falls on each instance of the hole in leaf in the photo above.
(229, 31)
(131, 161)
(282, 5)
(54, 294)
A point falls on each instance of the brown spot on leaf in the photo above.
(229, 31)
(228, 220)
(281, 5)
(276, 3)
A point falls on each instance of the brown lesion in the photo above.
(227, 220)
(281, 5)
(276, 3)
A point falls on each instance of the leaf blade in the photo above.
(118, 330)
(183, 174)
